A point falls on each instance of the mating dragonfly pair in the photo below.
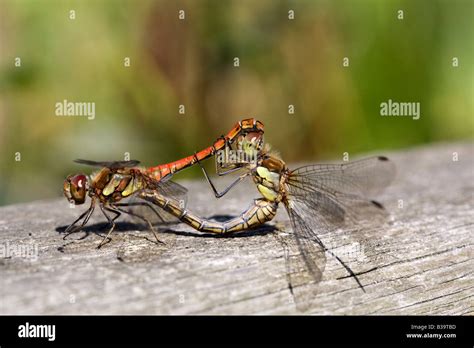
(318, 198)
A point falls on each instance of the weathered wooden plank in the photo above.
(421, 262)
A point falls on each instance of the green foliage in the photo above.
(190, 62)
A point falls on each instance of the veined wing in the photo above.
(342, 192)
(108, 164)
(322, 199)
(154, 214)
(171, 190)
(305, 260)
(364, 177)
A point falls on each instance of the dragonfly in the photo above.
(318, 198)
(118, 180)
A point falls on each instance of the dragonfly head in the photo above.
(75, 188)
(251, 144)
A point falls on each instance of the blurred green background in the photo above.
(191, 62)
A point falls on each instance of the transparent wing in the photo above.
(153, 213)
(342, 192)
(171, 189)
(323, 199)
(364, 178)
(305, 260)
(108, 164)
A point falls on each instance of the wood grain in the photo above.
(419, 262)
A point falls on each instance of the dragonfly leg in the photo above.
(111, 222)
(72, 228)
(225, 172)
(139, 216)
(227, 189)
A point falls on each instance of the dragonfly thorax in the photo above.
(114, 185)
(268, 175)
(268, 183)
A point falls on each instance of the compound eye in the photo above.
(253, 137)
(79, 182)
(78, 188)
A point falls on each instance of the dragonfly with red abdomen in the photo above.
(246, 133)
(318, 198)
(118, 180)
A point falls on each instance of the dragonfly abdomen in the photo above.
(246, 126)
(258, 213)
